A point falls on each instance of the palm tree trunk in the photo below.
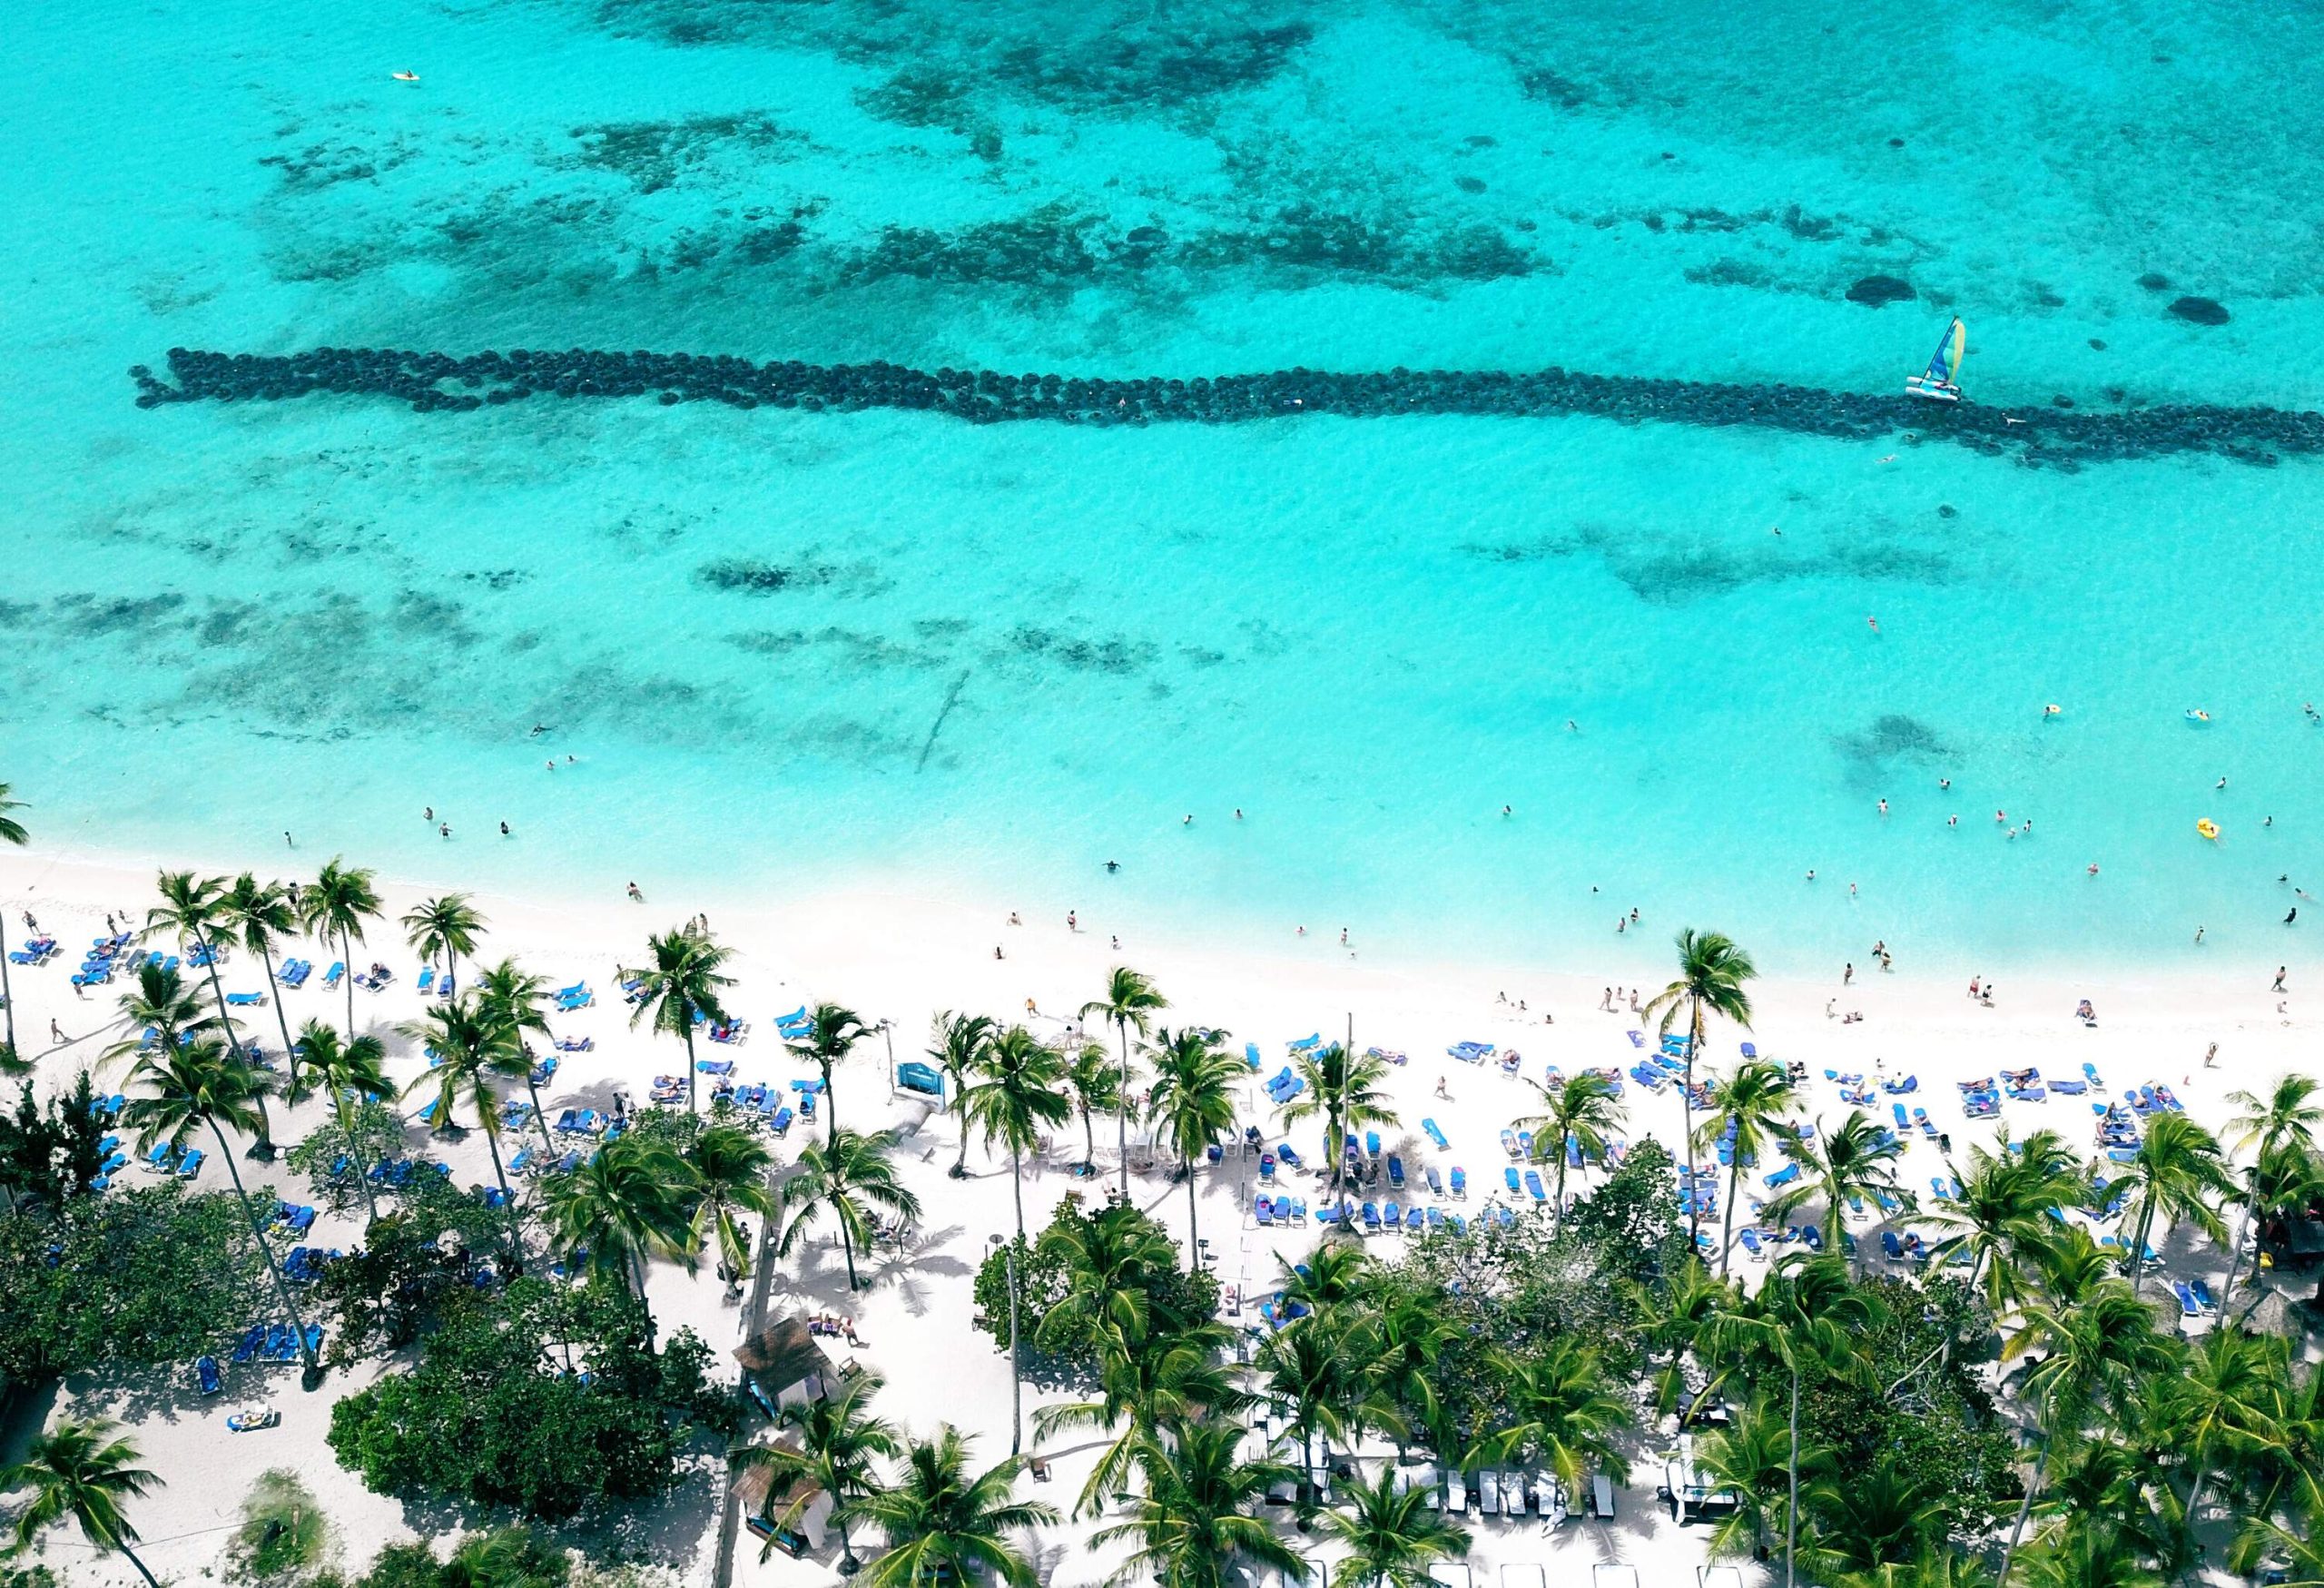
(1726, 1229)
(2235, 1255)
(1194, 1245)
(130, 1556)
(8, 997)
(848, 1246)
(831, 1110)
(2138, 1255)
(1121, 1109)
(540, 1119)
(347, 977)
(258, 1234)
(961, 1112)
(362, 1170)
(2041, 1469)
(688, 1034)
(1687, 1097)
(1089, 1142)
(282, 1019)
(1791, 1511)
(1017, 1181)
(515, 1230)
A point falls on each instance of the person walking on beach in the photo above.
(56, 1033)
(2278, 986)
(1847, 973)
(2210, 1057)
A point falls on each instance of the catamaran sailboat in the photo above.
(1940, 382)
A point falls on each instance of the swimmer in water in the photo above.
(1944, 783)
(1883, 807)
(2094, 868)
(1952, 821)
(1874, 624)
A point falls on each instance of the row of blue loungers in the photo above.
(268, 1342)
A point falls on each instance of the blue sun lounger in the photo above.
(1435, 1181)
(1251, 1056)
(1396, 1172)
(189, 1166)
(1370, 1219)
(1783, 1177)
(205, 1369)
(2204, 1298)
(2186, 1308)
(1429, 1128)
(1533, 1186)
(1459, 1183)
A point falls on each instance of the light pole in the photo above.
(887, 1028)
(1016, 1371)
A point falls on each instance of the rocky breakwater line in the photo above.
(445, 383)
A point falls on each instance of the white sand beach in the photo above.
(899, 959)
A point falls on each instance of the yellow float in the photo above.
(2207, 828)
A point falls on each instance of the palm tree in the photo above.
(1585, 1111)
(1193, 1100)
(162, 1003)
(624, 1204)
(1675, 1316)
(1886, 1515)
(199, 1084)
(959, 1051)
(833, 1031)
(1936, 1567)
(1348, 1090)
(1712, 973)
(1198, 1516)
(512, 999)
(1131, 999)
(2288, 1116)
(2088, 1554)
(190, 908)
(1753, 1457)
(1109, 1261)
(838, 1439)
(2221, 1410)
(1312, 1368)
(469, 1049)
(11, 832)
(1804, 1318)
(1391, 1538)
(847, 1178)
(1857, 1160)
(2005, 1214)
(1144, 1385)
(343, 1073)
(681, 984)
(337, 905)
(942, 1525)
(79, 1472)
(2102, 1352)
(1095, 1080)
(447, 925)
(259, 915)
(2176, 1166)
(1411, 1335)
(1752, 1103)
(729, 1168)
(1022, 1090)
(1567, 1413)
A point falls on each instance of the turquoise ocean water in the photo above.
(1000, 656)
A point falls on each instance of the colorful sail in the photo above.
(1945, 367)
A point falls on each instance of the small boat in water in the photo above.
(1940, 382)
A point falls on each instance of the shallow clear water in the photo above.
(1003, 654)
